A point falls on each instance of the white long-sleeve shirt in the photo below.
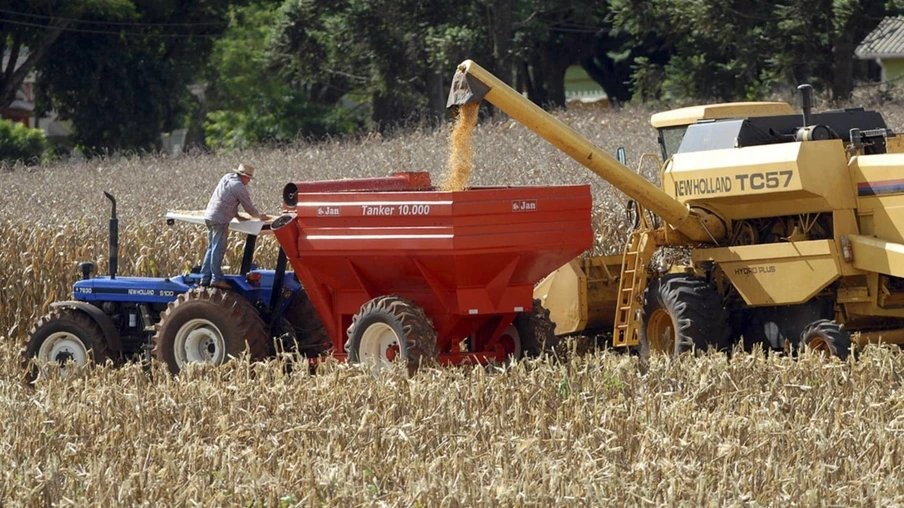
(226, 198)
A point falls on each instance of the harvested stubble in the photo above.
(593, 430)
(704, 431)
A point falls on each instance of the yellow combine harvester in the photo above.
(792, 226)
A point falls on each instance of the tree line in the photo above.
(239, 72)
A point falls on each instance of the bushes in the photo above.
(20, 144)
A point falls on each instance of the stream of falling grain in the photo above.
(458, 167)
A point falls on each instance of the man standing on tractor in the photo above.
(230, 192)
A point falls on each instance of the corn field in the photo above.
(594, 428)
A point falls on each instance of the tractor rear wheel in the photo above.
(312, 339)
(209, 326)
(682, 313)
(63, 336)
(536, 332)
(827, 337)
(389, 328)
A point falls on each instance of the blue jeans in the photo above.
(211, 268)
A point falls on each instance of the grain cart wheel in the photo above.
(390, 327)
(62, 336)
(310, 334)
(826, 337)
(209, 326)
(682, 313)
(536, 332)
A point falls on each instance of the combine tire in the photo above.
(682, 313)
(390, 327)
(62, 336)
(311, 337)
(534, 331)
(826, 337)
(209, 326)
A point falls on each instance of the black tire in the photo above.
(390, 325)
(536, 332)
(682, 313)
(62, 335)
(209, 325)
(827, 337)
(312, 339)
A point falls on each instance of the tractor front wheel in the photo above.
(682, 313)
(827, 337)
(60, 337)
(209, 326)
(388, 328)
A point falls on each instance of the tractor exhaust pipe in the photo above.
(114, 237)
(473, 84)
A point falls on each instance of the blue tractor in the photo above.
(174, 319)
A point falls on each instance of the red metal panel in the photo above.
(463, 256)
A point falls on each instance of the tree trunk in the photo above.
(843, 70)
(12, 78)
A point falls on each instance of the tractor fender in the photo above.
(111, 334)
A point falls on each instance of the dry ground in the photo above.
(596, 429)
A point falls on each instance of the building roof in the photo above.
(886, 40)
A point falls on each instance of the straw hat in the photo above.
(244, 170)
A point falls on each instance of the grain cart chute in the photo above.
(790, 222)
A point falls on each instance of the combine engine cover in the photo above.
(760, 181)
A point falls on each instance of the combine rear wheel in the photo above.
(828, 338)
(682, 313)
(389, 328)
(209, 326)
(63, 336)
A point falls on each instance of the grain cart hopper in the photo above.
(401, 270)
(793, 226)
(118, 318)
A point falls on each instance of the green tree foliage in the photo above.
(121, 78)
(395, 55)
(18, 143)
(251, 101)
(731, 50)
(29, 28)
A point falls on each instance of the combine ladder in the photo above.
(631, 286)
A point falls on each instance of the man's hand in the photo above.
(266, 218)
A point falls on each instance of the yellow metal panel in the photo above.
(880, 188)
(895, 144)
(777, 273)
(689, 115)
(771, 180)
(877, 255)
(564, 293)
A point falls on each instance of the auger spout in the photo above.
(472, 84)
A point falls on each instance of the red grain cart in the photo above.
(397, 268)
